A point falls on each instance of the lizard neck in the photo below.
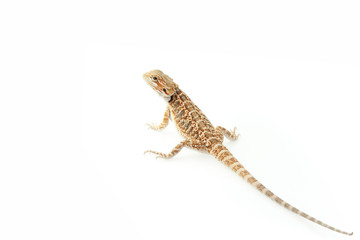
(175, 96)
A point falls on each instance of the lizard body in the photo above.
(201, 135)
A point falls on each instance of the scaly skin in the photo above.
(201, 135)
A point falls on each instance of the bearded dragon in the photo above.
(201, 135)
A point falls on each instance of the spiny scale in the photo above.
(200, 134)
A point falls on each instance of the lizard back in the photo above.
(190, 120)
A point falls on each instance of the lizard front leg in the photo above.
(232, 135)
(164, 123)
(186, 143)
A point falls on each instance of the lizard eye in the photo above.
(155, 78)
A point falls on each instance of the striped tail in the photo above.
(221, 153)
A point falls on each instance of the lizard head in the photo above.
(161, 83)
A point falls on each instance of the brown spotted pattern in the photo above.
(200, 134)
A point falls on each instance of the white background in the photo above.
(73, 110)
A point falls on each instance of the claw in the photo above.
(156, 153)
(150, 125)
(233, 132)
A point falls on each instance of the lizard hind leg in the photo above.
(232, 135)
(186, 143)
(173, 152)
